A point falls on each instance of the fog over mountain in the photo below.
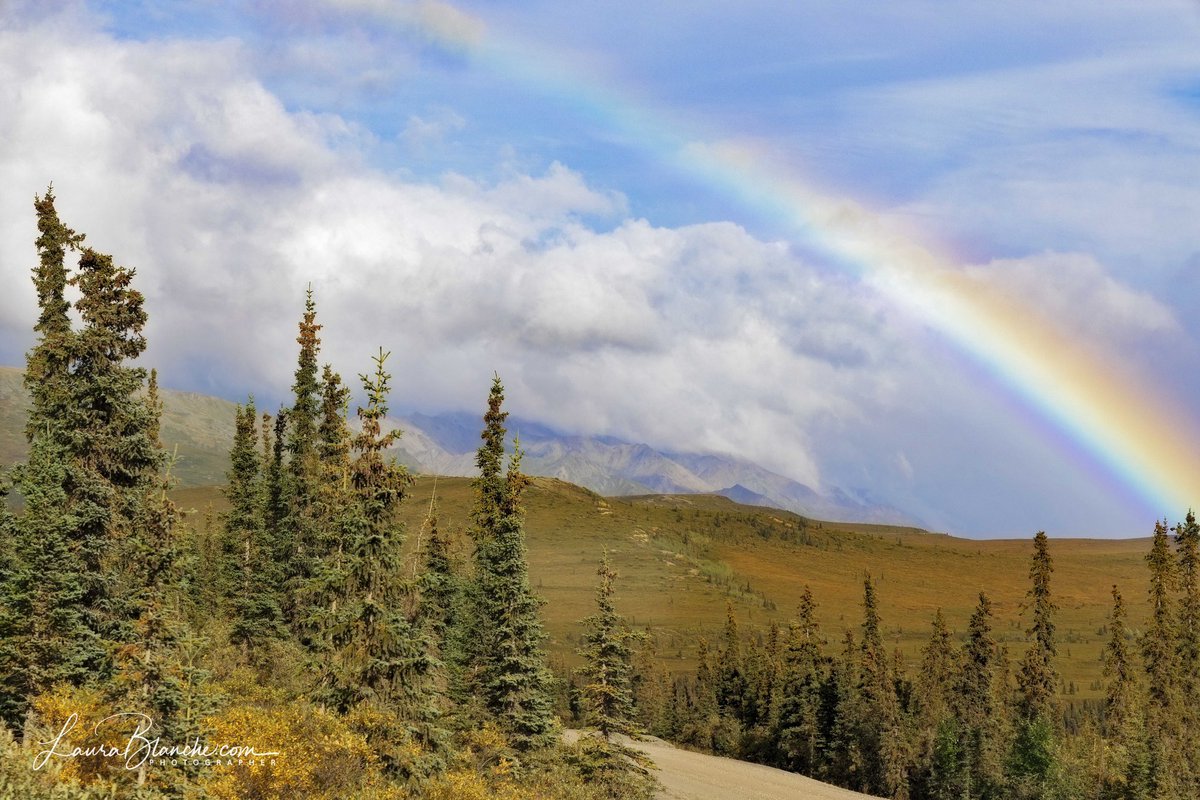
(445, 444)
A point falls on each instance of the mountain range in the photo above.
(199, 429)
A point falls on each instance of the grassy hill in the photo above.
(683, 557)
(196, 427)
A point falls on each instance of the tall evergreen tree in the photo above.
(798, 725)
(1118, 667)
(381, 661)
(1031, 762)
(1159, 645)
(275, 498)
(46, 637)
(1187, 545)
(87, 413)
(979, 709)
(731, 671)
(880, 725)
(300, 532)
(303, 415)
(608, 662)
(333, 435)
(842, 711)
(316, 599)
(514, 678)
(702, 718)
(12, 693)
(372, 640)
(152, 677)
(1038, 679)
(764, 666)
(1160, 655)
(251, 568)
(1128, 775)
(440, 584)
(48, 365)
(937, 753)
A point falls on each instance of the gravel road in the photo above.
(685, 775)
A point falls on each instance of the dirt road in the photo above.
(685, 775)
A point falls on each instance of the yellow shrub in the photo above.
(318, 755)
(76, 732)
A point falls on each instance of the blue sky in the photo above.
(512, 186)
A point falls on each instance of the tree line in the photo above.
(969, 724)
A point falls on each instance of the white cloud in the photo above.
(1075, 293)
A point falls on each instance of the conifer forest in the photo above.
(306, 643)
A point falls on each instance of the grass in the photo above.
(681, 559)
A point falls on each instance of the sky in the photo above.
(944, 258)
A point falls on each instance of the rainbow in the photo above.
(1139, 436)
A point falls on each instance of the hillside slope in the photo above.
(197, 428)
(682, 558)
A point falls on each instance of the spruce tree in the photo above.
(88, 412)
(514, 678)
(798, 727)
(937, 752)
(112, 455)
(1160, 655)
(731, 675)
(703, 720)
(48, 365)
(317, 597)
(1127, 775)
(842, 712)
(608, 663)
(1187, 541)
(1032, 759)
(1037, 679)
(382, 663)
(275, 498)
(438, 579)
(12, 693)
(303, 415)
(880, 727)
(251, 568)
(763, 672)
(333, 435)
(151, 676)
(300, 531)
(1159, 645)
(372, 636)
(46, 636)
(979, 708)
(654, 692)
(441, 598)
